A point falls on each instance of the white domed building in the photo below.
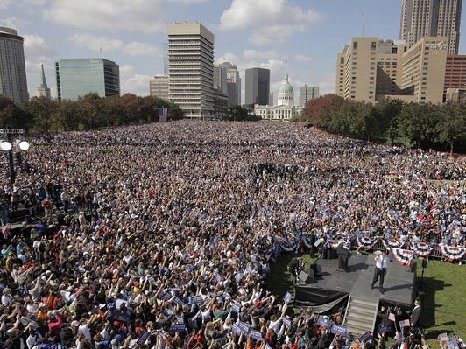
(285, 93)
(285, 110)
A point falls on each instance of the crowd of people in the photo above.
(160, 236)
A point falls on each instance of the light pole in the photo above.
(7, 145)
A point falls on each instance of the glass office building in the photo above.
(79, 77)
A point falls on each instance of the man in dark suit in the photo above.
(416, 315)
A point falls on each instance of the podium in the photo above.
(343, 257)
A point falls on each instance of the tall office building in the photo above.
(423, 70)
(43, 90)
(370, 70)
(307, 93)
(159, 87)
(455, 74)
(233, 83)
(257, 86)
(448, 23)
(79, 77)
(424, 18)
(12, 66)
(191, 68)
(165, 58)
(220, 79)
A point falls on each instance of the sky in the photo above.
(301, 37)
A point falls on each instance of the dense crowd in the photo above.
(159, 236)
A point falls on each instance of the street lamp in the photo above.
(7, 145)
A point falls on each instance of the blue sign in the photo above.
(178, 328)
(256, 335)
(339, 329)
(244, 327)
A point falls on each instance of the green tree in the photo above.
(12, 116)
(45, 114)
(451, 125)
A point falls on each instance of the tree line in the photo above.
(415, 125)
(41, 115)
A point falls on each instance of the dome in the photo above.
(285, 93)
(285, 86)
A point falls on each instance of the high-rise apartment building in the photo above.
(424, 18)
(257, 86)
(233, 83)
(370, 70)
(220, 79)
(191, 68)
(79, 77)
(159, 87)
(43, 90)
(455, 74)
(13, 82)
(423, 70)
(307, 93)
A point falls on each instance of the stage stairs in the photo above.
(361, 315)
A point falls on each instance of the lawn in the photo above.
(278, 280)
(444, 301)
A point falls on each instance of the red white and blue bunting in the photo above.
(365, 242)
(393, 243)
(452, 253)
(402, 256)
(421, 249)
(334, 243)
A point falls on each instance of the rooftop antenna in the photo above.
(363, 22)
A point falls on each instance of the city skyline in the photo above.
(301, 37)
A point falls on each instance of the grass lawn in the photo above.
(444, 301)
(278, 280)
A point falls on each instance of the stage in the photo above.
(334, 285)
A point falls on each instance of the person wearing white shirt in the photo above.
(381, 264)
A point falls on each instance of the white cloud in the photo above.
(269, 21)
(137, 84)
(35, 46)
(303, 58)
(4, 4)
(126, 70)
(113, 15)
(132, 81)
(327, 84)
(96, 43)
(227, 57)
(259, 55)
(11, 22)
(189, 2)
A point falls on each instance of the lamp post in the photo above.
(7, 145)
